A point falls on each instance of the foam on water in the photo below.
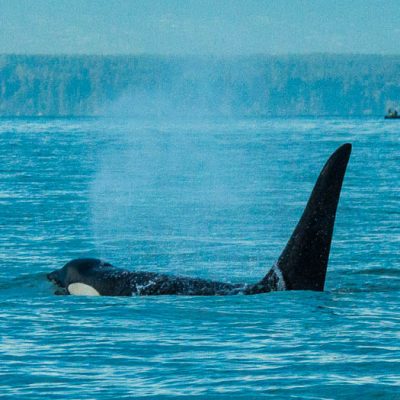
(213, 199)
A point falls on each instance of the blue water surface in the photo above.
(213, 199)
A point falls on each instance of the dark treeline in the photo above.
(157, 85)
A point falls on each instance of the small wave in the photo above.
(27, 284)
(382, 272)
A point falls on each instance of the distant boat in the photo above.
(392, 114)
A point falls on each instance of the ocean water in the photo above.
(214, 199)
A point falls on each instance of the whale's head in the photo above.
(78, 276)
(91, 277)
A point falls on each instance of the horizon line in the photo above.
(203, 55)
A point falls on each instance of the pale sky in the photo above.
(224, 27)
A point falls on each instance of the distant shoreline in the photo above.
(222, 118)
(255, 86)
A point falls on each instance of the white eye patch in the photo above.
(81, 289)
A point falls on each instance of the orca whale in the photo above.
(301, 266)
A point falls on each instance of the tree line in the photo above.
(252, 86)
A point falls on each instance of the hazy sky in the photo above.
(199, 26)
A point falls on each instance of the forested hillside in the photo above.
(241, 86)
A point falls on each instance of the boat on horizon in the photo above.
(392, 114)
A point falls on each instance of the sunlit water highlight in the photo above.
(215, 199)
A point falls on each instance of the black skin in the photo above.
(111, 281)
(301, 266)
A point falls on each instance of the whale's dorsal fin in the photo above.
(303, 263)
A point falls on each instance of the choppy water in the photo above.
(214, 199)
